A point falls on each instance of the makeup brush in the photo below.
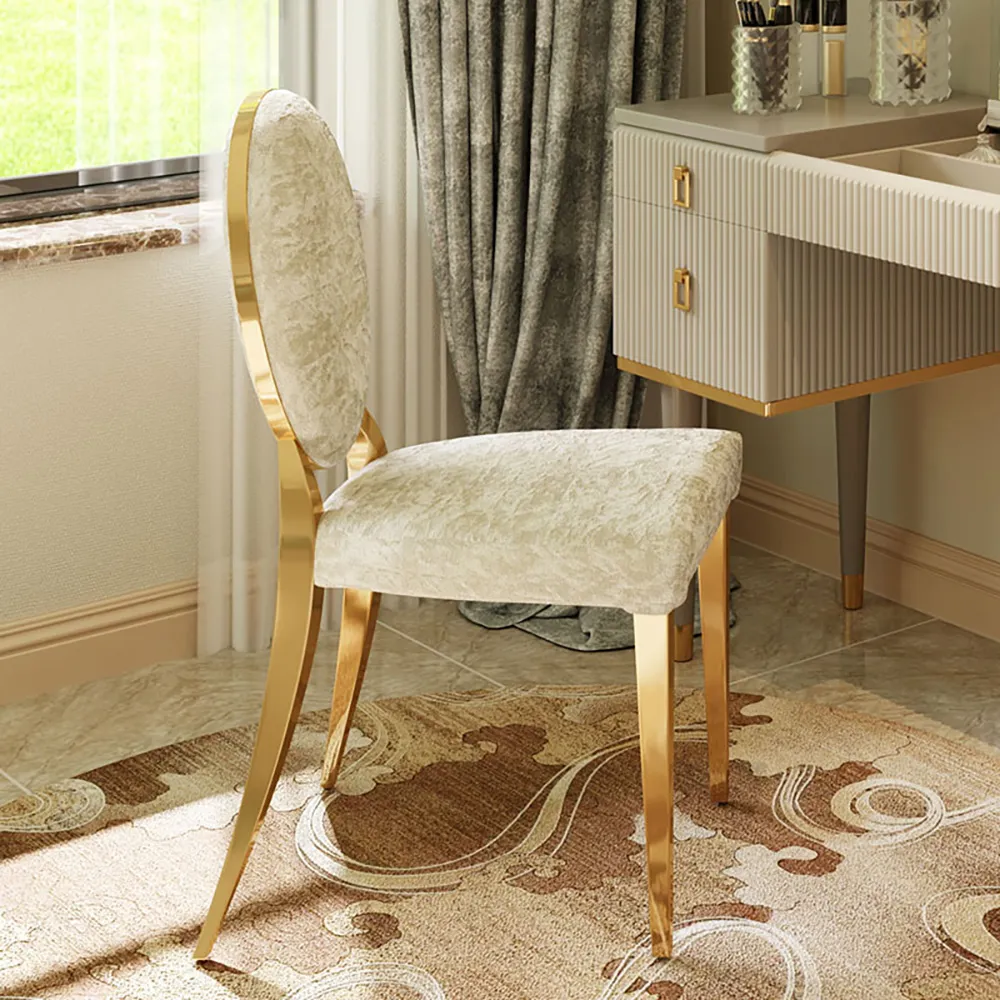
(782, 14)
(808, 17)
(808, 14)
(834, 48)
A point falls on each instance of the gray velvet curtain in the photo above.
(512, 103)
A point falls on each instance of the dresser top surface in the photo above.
(821, 127)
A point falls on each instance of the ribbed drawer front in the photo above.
(891, 217)
(843, 318)
(726, 184)
(721, 341)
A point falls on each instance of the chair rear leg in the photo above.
(357, 629)
(713, 579)
(296, 630)
(654, 667)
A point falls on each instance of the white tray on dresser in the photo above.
(779, 263)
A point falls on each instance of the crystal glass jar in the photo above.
(767, 69)
(911, 51)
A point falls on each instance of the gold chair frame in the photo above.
(300, 602)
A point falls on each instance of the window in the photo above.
(88, 84)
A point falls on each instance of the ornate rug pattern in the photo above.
(489, 846)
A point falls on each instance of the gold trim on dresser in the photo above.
(794, 403)
(852, 591)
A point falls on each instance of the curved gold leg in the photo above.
(713, 582)
(654, 669)
(296, 628)
(357, 628)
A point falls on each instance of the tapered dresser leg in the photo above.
(357, 629)
(713, 579)
(654, 639)
(853, 422)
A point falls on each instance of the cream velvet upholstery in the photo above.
(606, 517)
(309, 271)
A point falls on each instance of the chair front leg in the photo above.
(357, 629)
(713, 580)
(654, 667)
(296, 629)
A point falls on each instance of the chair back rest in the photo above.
(298, 268)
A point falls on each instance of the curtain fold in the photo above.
(512, 106)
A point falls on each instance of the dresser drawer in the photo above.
(921, 207)
(690, 178)
(690, 297)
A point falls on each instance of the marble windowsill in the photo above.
(101, 234)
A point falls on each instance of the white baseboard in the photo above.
(918, 572)
(40, 655)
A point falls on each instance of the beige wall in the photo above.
(98, 429)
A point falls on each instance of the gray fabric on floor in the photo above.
(584, 629)
(512, 106)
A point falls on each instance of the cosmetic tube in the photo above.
(834, 37)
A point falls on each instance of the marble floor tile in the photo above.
(789, 638)
(77, 729)
(786, 613)
(932, 671)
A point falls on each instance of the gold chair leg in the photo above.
(357, 629)
(654, 668)
(713, 582)
(296, 629)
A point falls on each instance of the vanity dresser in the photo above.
(778, 263)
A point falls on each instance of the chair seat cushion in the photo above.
(607, 517)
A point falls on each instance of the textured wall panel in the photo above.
(843, 318)
(99, 428)
(906, 220)
(726, 184)
(722, 340)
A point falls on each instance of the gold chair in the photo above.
(617, 517)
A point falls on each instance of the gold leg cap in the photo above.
(683, 643)
(853, 592)
(663, 948)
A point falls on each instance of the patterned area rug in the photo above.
(488, 846)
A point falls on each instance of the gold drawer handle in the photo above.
(682, 289)
(682, 187)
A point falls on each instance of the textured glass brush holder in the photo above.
(911, 51)
(767, 69)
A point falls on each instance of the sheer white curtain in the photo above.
(345, 56)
